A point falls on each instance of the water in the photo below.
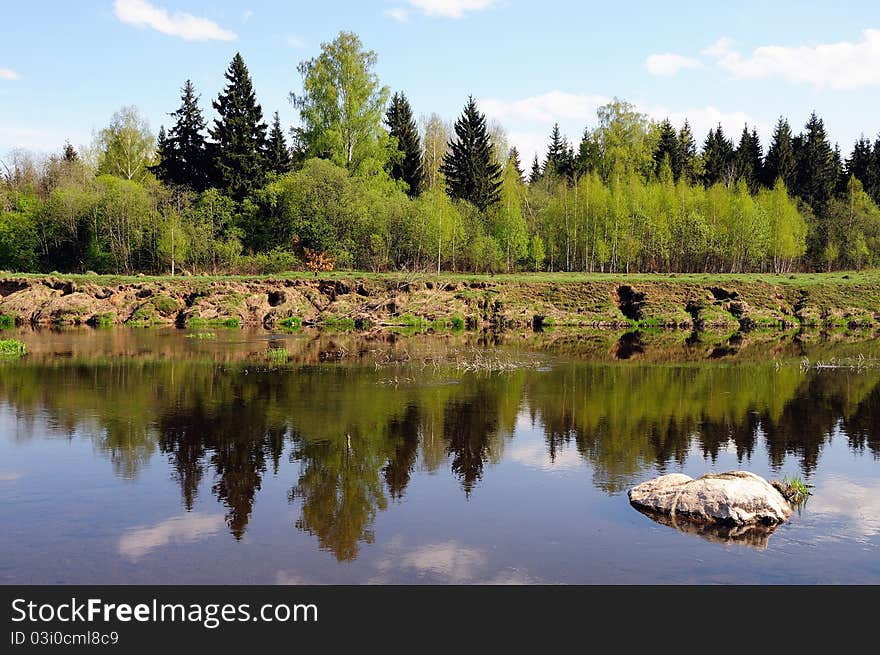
(142, 456)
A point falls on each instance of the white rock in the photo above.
(734, 498)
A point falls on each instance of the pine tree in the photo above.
(535, 174)
(718, 159)
(182, 151)
(239, 133)
(587, 158)
(513, 160)
(687, 154)
(872, 186)
(401, 125)
(560, 157)
(69, 154)
(470, 172)
(860, 161)
(667, 150)
(749, 157)
(780, 162)
(277, 153)
(816, 174)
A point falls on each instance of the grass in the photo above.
(276, 355)
(12, 348)
(200, 336)
(291, 323)
(213, 322)
(794, 489)
(339, 323)
(6, 321)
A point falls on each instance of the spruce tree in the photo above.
(277, 154)
(470, 172)
(860, 161)
(667, 150)
(687, 154)
(239, 133)
(69, 154)
(872, 186)
(749, 154)
(182, 151)
(513, 160)
(407, 166)
(816, 174)
(560, 156)
(587, 158)
(780, 162)
(535, 174)
(718, 158)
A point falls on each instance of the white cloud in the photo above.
(838, 500)
(189, 528)
(667, 64)
(188, 27)
(246, 15)
(546, 108)
(450, 8)
(839, 66)
(535, 455)
(9, 74)
(399, 14)
(295, 41)
(529, 120)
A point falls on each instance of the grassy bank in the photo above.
(361, 300)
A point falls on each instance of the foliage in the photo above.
(12, 348)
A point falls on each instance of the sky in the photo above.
(66, 67)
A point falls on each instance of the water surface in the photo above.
(144, 456)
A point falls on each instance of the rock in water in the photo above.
(733, 498)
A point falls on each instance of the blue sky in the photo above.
(65, 67)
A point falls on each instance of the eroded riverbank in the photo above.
(362, 301)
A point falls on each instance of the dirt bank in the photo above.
(353, 301)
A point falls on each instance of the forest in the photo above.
(360, 184)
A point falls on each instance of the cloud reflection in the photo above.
(140, 541)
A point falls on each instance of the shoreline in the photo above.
(363, 301)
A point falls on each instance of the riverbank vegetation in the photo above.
(358, 185)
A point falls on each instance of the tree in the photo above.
(535, 173)
(277, 154)
(69, 154)
(687, 155)
(623, 142)
(407, 164)
(816, 174)
(183, 152)
(513, 160)
(239, 133)
(667, 150)
(471, 174)
(341, 106)
(560, 159)
(719, 159)
(126, 147)
(436, 140)
(749, 165)
(780, 162)
(860, 162)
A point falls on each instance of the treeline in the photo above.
(358, 184)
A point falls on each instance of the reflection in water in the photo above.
(140, 541)
(755, 535)
(357, 442)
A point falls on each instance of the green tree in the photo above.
(277, 153)
(436, 140)
(667, 150)
(719, 159)
(126, 146)
(341, 106)
(686, 162)
(816, 173)
(513, 160)
(239, 133)
(470, 173)
(406, 165)
(183, 152)
(749, 166)
(780, 162)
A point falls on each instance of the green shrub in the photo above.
(201, 335)
(6, 321)
(232, 322)
(291, 323)
(12, 348)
